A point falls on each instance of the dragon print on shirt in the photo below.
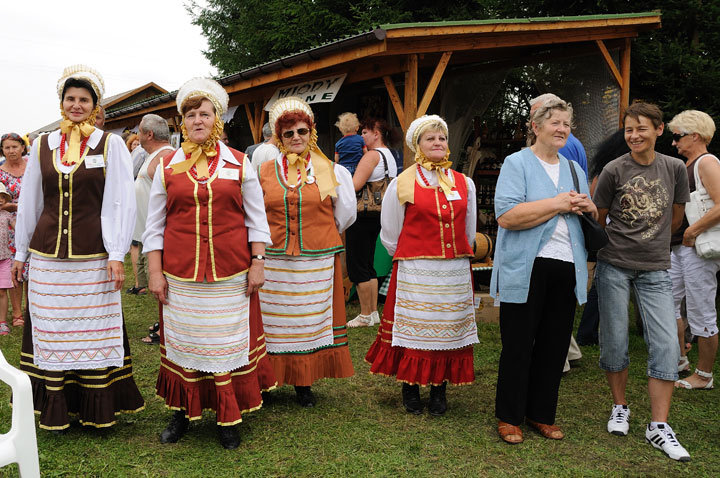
(644, 201)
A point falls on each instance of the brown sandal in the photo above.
(510, 433)
(552, 432)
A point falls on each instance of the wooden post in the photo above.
(434, 82)
(410, 109)
(625, 72)
(251, 121)
(395, 100)
(257, 134)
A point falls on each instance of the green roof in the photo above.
(491, 21)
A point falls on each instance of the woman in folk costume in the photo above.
(428, 223)
(309, 203)
(205, 242)
(75, 218)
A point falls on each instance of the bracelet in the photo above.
(259, 257)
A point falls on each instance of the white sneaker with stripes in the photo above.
(663, 437)
(619, 422)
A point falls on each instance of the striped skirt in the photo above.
(230, 393)
(418, 365)
(303, 309)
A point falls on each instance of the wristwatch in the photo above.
(259, 257)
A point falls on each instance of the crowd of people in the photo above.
(244, 256)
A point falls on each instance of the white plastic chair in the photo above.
(19, 445)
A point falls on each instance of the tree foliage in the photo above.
(677, 67)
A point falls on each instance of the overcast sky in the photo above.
(130, 42)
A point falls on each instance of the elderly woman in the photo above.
(205, 243)
(428, 223)
(75, 217)
(692, 277)
(309, 203)
(13, 149)
(361, 237)
(540, 271)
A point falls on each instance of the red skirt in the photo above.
(228, 394)
(422, 367)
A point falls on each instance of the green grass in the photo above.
(359, 427)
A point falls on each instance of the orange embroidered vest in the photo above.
(300, 223)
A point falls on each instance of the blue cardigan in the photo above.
(523, 179)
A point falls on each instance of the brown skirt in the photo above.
(333, 361)
(229, 394)
(95, 397)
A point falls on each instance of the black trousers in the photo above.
(535, 339)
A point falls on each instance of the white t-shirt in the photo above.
(558, 247)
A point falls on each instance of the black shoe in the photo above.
(132, 290)
(411, 398)
(176, 428)
(266, 398)
(229, 437)
(438, 403)
(305, 396)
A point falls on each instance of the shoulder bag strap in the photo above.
(387, 174)
(574, 176)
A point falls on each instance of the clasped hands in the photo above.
(574, 202)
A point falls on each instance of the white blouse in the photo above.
(253, 203)
(117, 214)
(345, 204)
(392, 214)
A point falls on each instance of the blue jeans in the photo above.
(653, 290)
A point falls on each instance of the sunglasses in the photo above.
(678, 136)
(291, 132)
(14, 136)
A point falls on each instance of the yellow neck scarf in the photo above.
(406, 180)
(75, 132)
(323, 167)
(199, 153)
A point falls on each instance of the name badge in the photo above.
(453, 196)
(231, 174)
(94, 161)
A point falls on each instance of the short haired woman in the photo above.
(693, 277)
(540, 271)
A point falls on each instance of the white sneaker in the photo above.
(361, 321)
(663, 437)
(375, 318)
(619, 422)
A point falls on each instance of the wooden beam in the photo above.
(610, 62)
(625, 72)
(395, 100)
(410, 109)
(251, 121)
(259, 116)
(434, 82)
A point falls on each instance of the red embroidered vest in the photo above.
(434, 228)
(205, 233)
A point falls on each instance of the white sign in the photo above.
(322, 90)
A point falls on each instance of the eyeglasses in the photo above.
(678, 136)
(291, 132)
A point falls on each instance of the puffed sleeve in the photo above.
(30, 204)
(345, 204)
(471, 212)
(154, 235)
(117, 214)
(392, 216)
(254, 205)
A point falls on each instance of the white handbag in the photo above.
(707, 244)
